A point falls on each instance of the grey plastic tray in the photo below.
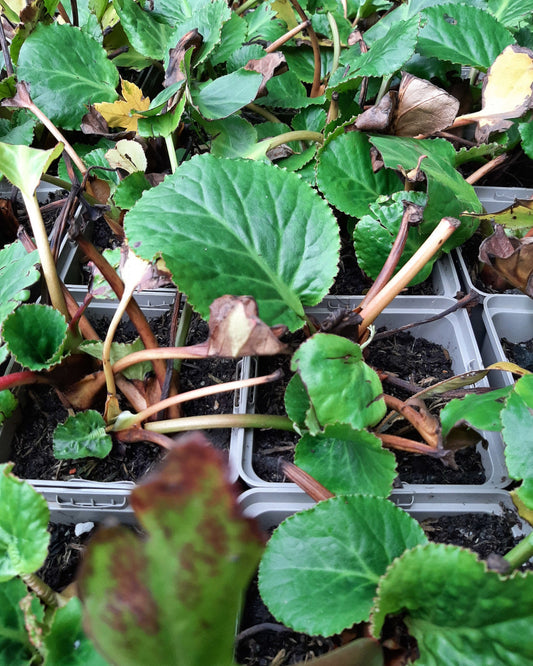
(75, 494)
(505, 316)
(269, 506)
(452, 332)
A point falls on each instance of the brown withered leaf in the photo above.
(377, 118)
(270, 65)
(236, 330)
(94, 123)
(507, 92)
(192, 39)
(422, 108)
(511, 257)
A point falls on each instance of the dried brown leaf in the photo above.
(270, 65)
(377, 118)
(511, 257)
(192, 39)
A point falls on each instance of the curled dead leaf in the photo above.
(270, 65)
(377, 118)
(192, 39)
(236, 330)
(510, 257)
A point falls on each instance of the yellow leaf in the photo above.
(525, 512)
(122, 112)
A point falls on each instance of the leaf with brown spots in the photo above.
(173, 597)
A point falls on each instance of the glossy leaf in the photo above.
(241, 227)
(15, 647)
(479, 411)
(445, 591)
(118, 351)
(321, 568)
(82, 435)
(233, 137)
(19, 128)
(8, 404)
(288, 92)
(67, 70)
(517, 421)
(35, 335)
(340, 386)
(146, 33)
(232, 38)
(18, 271)
(130, 190)
(448, 193)
(375, 233)
(523, 498)
(510, 12)
(386, 55)
(347, 461)
(458, 33)
(23, 526)
(155, 599)
(346, 177)
(66, 643)
(226, 94)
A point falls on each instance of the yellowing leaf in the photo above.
(127, 155)
(507, 92)
(122, 112)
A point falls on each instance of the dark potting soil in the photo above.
(520, 353)
(414, 359)
(263, 641)
(32, 448)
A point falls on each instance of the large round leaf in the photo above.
(321, 567)
(67, 70)
(23, 521)
(459, 612)
(346, 177)
(239, 227)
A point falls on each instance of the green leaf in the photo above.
(24, 166)
(510, 12)
(208, 19)
(23, 521)
(517, 421)
(459, 33)
(478, 411)
(92, 156)
(375, 233)
(66, 643)
(130, 190)
(226, 94)
(312, 118)
(18, 271)
(232, 38)
(341, 387)
(36, 335)
(234, 137)
(346, 177)
(163, 124)
(153, 600)
(302, 62)
(67, 70)
(240, 57)
(82, 435)
(8, 403)
(525, 493)
(347, 461)
(242, 227)
(288, 92)
(147, 34)
(15, 647)
(321, 568)
(386, 55)
(526, 133)
(448, 192)
(118, 351)
(19, 128)
(263, 24)
(456, 608)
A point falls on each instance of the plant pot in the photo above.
(74, 493)
(509, 317)
(453, 332)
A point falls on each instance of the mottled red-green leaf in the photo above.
(173, 598)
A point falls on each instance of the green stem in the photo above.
(246, 5)
(521, 553)
(385, 83)
(43, 591)
(171, 152)
(106, 350)
(263, 112)
(297, 135)
(183, 330)
(336, 42)
(45, 254)
(222, 421)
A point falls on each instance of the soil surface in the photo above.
(520, 353)
(32, 449)
(270, 644)
(414, 359)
